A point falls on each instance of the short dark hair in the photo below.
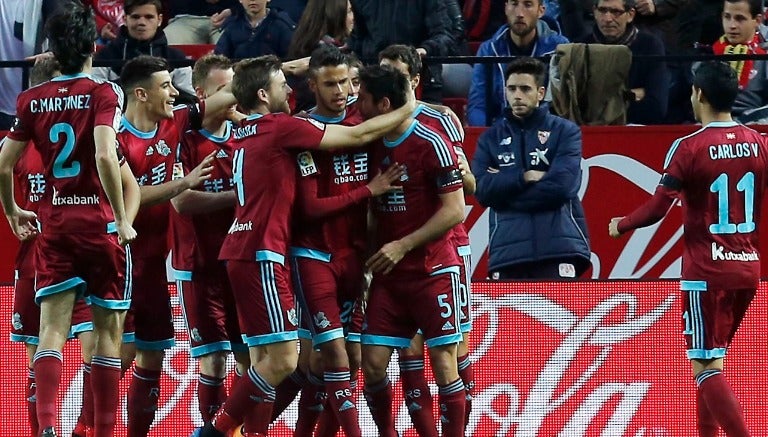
(718, 83)
(138, 71)
(326, 56)
(71, 35)
(354, 61)
(405, 54)
(628, 4)
(755, 6)
(205, 64)
(130, 5)
(43, 71)
(526, 65)
(251, 75)
(384, 81)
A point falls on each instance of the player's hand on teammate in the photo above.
(202, 172)
(382, 182)
(463, 166)
(533, 176)
(613, 227)
(23, 223)
(387, 257)
(125, 232)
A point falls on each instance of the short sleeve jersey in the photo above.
(336, 173)
(431, 169)
(59, 116)
(151, 156)
(264, 170)
(721, 171)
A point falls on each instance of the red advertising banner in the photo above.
(595, 358)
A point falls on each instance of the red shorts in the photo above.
(209, 311)
(711, 318)
(465, 291)
(326, 290)
(265, 306)
(149, 322)
(398, 306)
(356, 324)
(94, 265)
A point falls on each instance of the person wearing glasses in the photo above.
(525, 34)
(648, 80)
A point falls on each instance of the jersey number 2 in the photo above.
(60, 169)
(747, 186)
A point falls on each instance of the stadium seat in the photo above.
(195, 51)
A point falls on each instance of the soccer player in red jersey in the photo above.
(329, 242)
(718, 173)
(416, 269)
(149, 137)
(72, 121)
(255, 249)
(207, 212)
(418, 397)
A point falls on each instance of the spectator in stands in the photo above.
(141, 35)
(110, 16)
(424, 24)
(323, 22)
(197, 21)
(523, 35)
(294, 8)
(648, 81)
(741, 23)
(255, 30)
(528, 170)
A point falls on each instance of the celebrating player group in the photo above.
(308, 246)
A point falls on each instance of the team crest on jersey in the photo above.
(16, 321)
(292, 317)
(162, 148)
(306, 163)
(506, 159)
(321, 320)
(543, 136)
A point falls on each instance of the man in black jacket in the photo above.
(141, 35)
(424, 24)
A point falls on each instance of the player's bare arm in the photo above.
(154, 194)
(109, 174)
(131, 192)
(219, 104)
(450, 214)
(344, 136)
(467, 178)
(199, 202)
(22, 221)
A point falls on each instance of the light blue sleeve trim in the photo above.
(77, 283)
(354, 337)
(80, 328)
(277, 337)
(383, 340)
(444, 340)
(181, 275)
(303, 252)
(305, 334)
(110, 304)
(268, 255)
(693, 285)
(28, 339)
(129, 337)
(327, 336)
(464, 250)
(466, 328)
(219, 346)
(159, 345)
(452, 269)
(705, 354)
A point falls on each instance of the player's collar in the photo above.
(254, 116)
(402, 137)
(70, 77)
(420, 107)
(136, 132)
(329, 120)
(216, 139)
(721, 124)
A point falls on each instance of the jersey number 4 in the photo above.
(747, 186)
(60, 168)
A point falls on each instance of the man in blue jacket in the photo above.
(528, 171)
(525, 34)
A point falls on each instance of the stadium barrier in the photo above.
(592, 358)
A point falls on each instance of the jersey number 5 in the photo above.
(60, 169)
(747, 186)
